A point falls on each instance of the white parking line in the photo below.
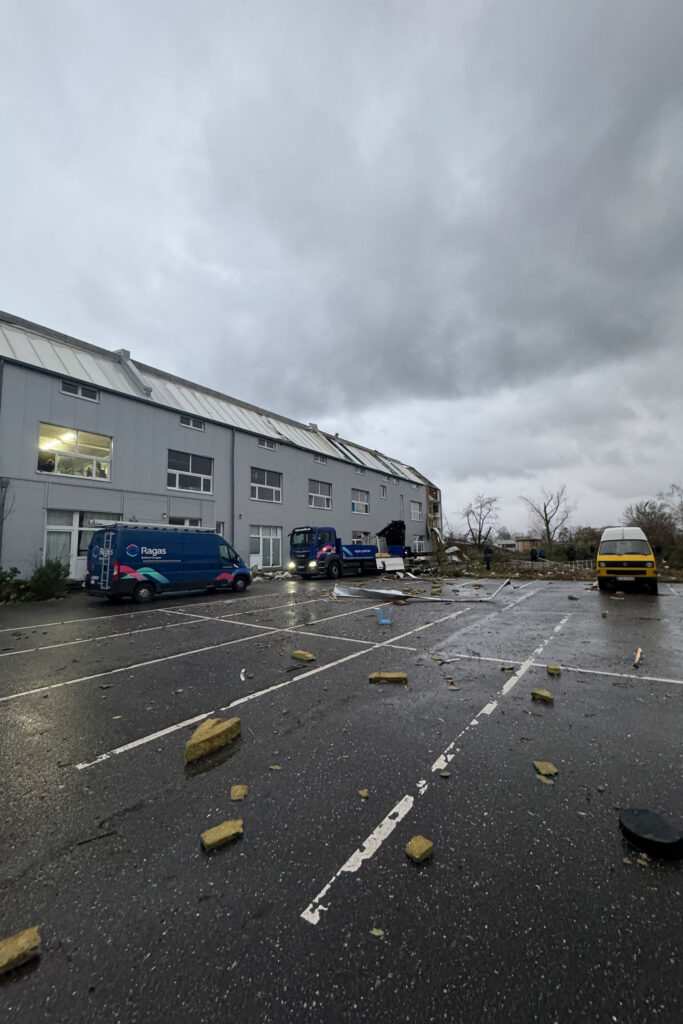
(261, 693)
(374, 841)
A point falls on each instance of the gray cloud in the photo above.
(459, 225)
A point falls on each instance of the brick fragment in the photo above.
(553, 670)
(419, 848)
(212, 734)
(19, 948)
(222, 834)
(388, 677)
(543, 696)
(238, 792)
(545, 768)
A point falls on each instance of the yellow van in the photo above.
(625, 556)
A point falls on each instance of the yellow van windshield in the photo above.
(625, 547)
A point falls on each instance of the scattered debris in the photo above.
(303, 655)
(364, 794)
(452, 687)
(388, 677)
(383, 594)
(604, 615)
(616, 597)
(445, 775)
(419, 849)
(543, 696)
(548, 782)
(384, 618)
(276, 767)
(378, 932)
(507, 668)
(571, 597)
(651, 832)
(545, 768)
(243, 675)
(238, 792)
(223, 833)
(553, 670)
(636, 660)
(19, 948)
(210, 735)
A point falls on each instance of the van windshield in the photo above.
(302, 538)
(625, 547)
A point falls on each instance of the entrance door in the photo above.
(265, 547)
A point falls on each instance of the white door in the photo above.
(265, 547)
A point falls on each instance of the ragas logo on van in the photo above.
(152, 552)
(132, 550)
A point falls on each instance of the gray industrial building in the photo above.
(86, 433)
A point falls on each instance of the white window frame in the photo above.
(416, 511)
(71, 434)
(360, 470)
(418, 545)
(267, 442)
(192, 422)
(360, 505)
(416, 487)
(382, 491)
(175, 474)
(322, 459)
(264, 535)
(258, 488)
(184, 521)
(360, 537)
(77, 390)
(318, 498)
(394, 480)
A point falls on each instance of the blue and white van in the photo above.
(140, 560)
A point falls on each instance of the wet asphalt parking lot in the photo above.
(533, 906)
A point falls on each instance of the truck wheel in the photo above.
(144, 592)
(334, 570)
(239, 584)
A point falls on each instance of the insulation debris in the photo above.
(419, 849)
(543, 696)
(388, 677)
(303, 655)
(223, 833)
(212, 734)
(19, 948)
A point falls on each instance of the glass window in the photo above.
(59, 517)
(319, 494)
(360, 501)
(58, 546)
(382, 491)
(266, 442)
(361, 470)
(266, 485)
(322, 459)
(70, 387)
(192, 421)
(183, 521)
(86, 527)
(416, 511)
(73, 452)
(188, 472)
(418, 544)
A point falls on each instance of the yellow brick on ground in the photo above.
(238, 792)
(19, 948)
(545, 768)
(303, 655)
(544, 696)
(223, 833)
(553, 670)
(388, 677)
(211, 735)
(419, 848)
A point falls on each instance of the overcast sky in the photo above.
(452, 231)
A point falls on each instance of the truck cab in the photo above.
(625, 556)
(318, 551)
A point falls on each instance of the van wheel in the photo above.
(239, 584)
(334, 570)
(602, 583)
(144, 592)
(652, 587)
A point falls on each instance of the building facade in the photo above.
(87, 433)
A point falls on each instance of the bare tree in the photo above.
(549, 512)
(653, 517)
(480, 515)
(673, 502)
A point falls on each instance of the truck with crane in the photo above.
(319, 551)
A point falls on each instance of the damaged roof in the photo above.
(41, 348)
